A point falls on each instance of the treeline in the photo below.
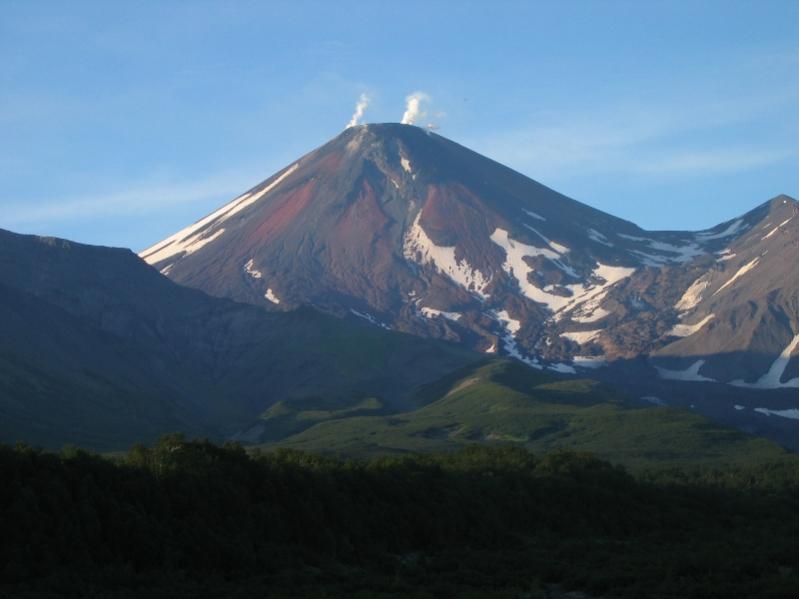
(192, 519)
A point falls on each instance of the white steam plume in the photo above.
(413, 108)
(363, 102)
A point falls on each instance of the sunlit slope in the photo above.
(504, 402)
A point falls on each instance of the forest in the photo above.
(188, 518)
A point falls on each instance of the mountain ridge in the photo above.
(415, 232)
(100, 348)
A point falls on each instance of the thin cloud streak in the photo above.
(139, 199)
(638, 140)
(713, 160)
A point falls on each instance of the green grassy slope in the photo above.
(505, 402)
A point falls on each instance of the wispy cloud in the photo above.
(713, 160)
(137, 199)
(655, 140)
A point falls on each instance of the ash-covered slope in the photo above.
(738, 320)
(414, 232)
(101, 350)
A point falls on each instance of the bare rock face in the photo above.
(413, 232)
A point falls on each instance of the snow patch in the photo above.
(270, 295)
(579, 293)
(685, 330)
(739, 407)
(433, 313)
(250, 269)
(741, 272)
(581, 337)
(792, 413)
(510, 327)
(683, 253)
(186, 247)
(516, 251)
(406, 164)
(725, 255)
(369, 318)
(776, 229)
(689, 374)
(562, 368)
(595, 235)
(665, 252)
(771, 380)
(731, 229)
(533, 214)
(418, 247)
(560, 249)
(693, 295)
(589, 362)
(187, 240)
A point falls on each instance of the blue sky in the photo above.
(123, 122)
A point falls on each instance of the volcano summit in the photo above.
(413, 232)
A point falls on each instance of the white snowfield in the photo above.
(682, 253)
(591, 362)
(194, 237)
(270, 295)
(418, 247)
(510, 327)
(771, 380)
(562, 368)
(689, 374)
(685, 330)
(733, 228)
(667, 253)
(595, 235)
(582, 337)
(580, 293)
(589, 311)
(406, 164)
(693, 295)
(188, 246)
(433, 313)
(369, 318)
(741, 272)
(792, 413)
(776, 229)
(560, 249)
(519, 249)
(660, 253)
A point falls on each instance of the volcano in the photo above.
(413, 232)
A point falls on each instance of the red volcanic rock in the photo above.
(417, 233)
